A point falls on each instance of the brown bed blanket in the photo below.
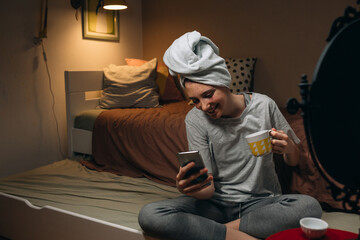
(144, 143)
(140, 142)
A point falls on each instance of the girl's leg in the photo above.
(184, 218)
(271, 215)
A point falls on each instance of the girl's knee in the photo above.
(303, 205)
(309, 206)
(147, 216)
(314, 207)
(155, 217)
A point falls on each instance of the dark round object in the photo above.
(334, 111)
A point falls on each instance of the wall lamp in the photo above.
(43, 22)
(106, 4)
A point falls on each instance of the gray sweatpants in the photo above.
(188, 218)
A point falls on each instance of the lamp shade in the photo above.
(115, 4)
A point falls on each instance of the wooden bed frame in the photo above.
(82, 89)
(21, 220)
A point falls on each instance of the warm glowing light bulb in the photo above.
(115, 7)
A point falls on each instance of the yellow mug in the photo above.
(260, 143)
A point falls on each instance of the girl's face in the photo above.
(210, 99)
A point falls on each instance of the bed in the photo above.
(119, 160)
(65, 200)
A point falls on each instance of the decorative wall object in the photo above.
(99, 23)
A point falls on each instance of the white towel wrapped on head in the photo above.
(196, 58)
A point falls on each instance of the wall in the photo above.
(286, 36)
(28, 135)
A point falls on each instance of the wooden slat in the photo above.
(77, 83)
(81, 81)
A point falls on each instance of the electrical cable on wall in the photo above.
(37, 41)
(53, 100)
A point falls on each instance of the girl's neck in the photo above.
(236, 105)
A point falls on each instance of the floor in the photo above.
(343, 221)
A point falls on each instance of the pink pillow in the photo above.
(168, 90)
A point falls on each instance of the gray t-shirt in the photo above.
(238, 175)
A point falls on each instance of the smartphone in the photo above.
(192, 156)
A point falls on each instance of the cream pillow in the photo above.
(130, 86)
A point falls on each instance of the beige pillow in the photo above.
(130, 86)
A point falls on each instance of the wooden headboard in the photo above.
(82, 90)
